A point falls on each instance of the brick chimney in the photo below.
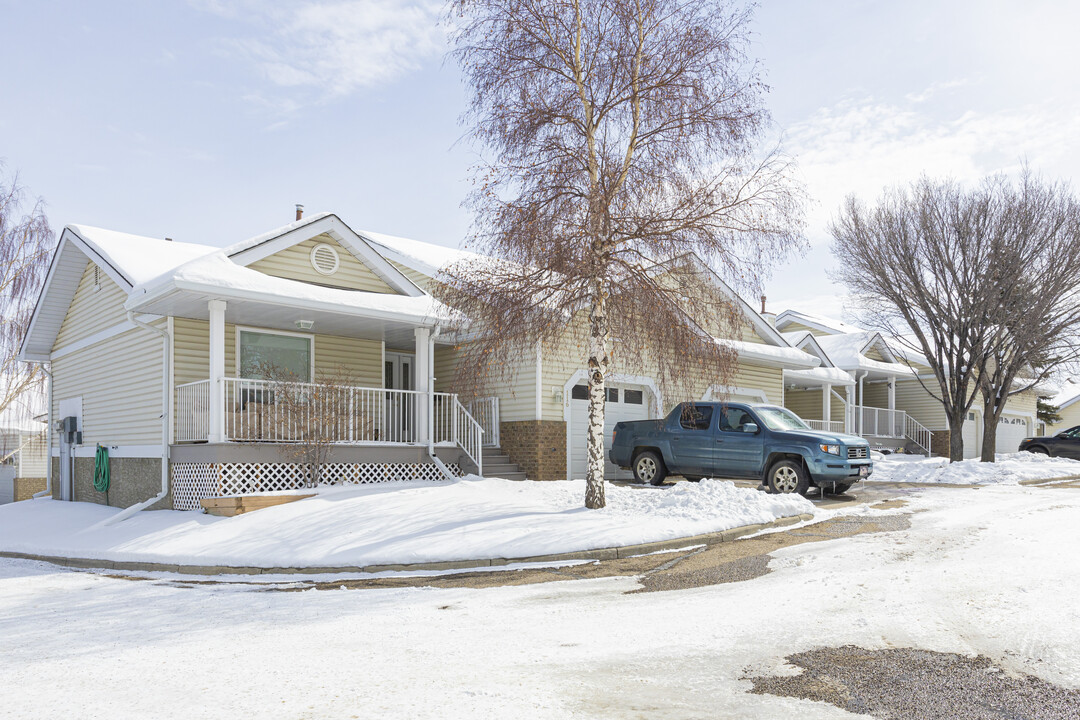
(299, 211)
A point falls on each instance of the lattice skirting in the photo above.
(191, 482)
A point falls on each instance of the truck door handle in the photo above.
(719, 440)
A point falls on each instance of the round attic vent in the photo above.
(324, 259)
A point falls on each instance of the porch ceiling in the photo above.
(283, 316)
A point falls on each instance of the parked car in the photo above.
(740, 440)
(1065, 444)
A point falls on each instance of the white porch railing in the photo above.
(193, 411)
(918, 434)
(486, 412)
(288, 412)
(836, 426)
(877, 422)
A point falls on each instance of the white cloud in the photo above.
(862, 145)
(334, 47)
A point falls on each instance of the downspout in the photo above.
(166, 413)
(862, 400)
(48, 437)
(431, 408)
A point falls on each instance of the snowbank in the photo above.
(1009, 469)
(472, 518)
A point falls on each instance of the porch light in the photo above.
(305, 324)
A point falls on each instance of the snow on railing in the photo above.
(486, 412)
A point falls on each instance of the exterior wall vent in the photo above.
(325, 260)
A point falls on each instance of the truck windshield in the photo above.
(780, 419)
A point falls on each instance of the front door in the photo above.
(400, 410)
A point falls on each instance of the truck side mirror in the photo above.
(750, 428)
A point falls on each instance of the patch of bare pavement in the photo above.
(905, 683)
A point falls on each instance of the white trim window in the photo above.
(262, 354)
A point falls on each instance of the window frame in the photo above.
(310, 337)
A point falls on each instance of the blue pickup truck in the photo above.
(740, 440)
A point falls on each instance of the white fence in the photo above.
(193, 411)
(486, 412)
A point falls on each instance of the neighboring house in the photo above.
(155, 350)
(22, 459)
(1067, 401)
(888, 402)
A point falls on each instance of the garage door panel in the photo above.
(624, 403)
(1010, 431)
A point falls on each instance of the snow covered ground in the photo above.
(985, 572)
(472, 518)
(1009, 469)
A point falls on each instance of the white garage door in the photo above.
(624, 402)
(1011, 430)
(7, 484)
(972, 435)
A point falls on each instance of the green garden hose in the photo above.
(101, 469)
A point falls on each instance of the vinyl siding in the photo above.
(31, 461)
(361, 359)
(92, 310)
(560, 363)
(517, 396)
(796, 327)
(294, 263)
(1070, 417)
(119, 380)
(876, 395)
(912, 398)
(874, 353)
(419, 279)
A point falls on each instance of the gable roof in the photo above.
(138, 261)
(1067, 394)
(262, 246)
(821, 323)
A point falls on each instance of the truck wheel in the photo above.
(649, 468)
(787, 476)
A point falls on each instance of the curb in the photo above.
(1044, 481)
(610, 553)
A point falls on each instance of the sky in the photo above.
(207, 120)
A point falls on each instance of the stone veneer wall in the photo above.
(26, 487)
(537, 446)
(131, 481)
(939, 443)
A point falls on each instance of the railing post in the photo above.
(217, 370)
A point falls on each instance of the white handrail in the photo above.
(486, 412)
(918, 434)
(836, 426)
(192, 411)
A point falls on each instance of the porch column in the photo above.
(423, 383)
(892, 393)
(217, 370)
(861, 402)
(826, 402)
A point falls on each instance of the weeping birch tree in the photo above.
(620, 167)
(26, 243)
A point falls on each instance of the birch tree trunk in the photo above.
(598, 368)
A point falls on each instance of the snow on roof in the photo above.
(831, 375)
(782, 356)
(846, 352)
(425, 257)
(827, 323)
(1068, 393)
(271, 234)
(136, 257)
(217, 273)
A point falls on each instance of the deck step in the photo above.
(498, 464)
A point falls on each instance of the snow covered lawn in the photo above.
(472, 518)
(990, 575)
(1009, 469)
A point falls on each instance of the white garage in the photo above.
(1010, 431)
(624, 402)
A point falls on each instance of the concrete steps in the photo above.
(498, 464)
